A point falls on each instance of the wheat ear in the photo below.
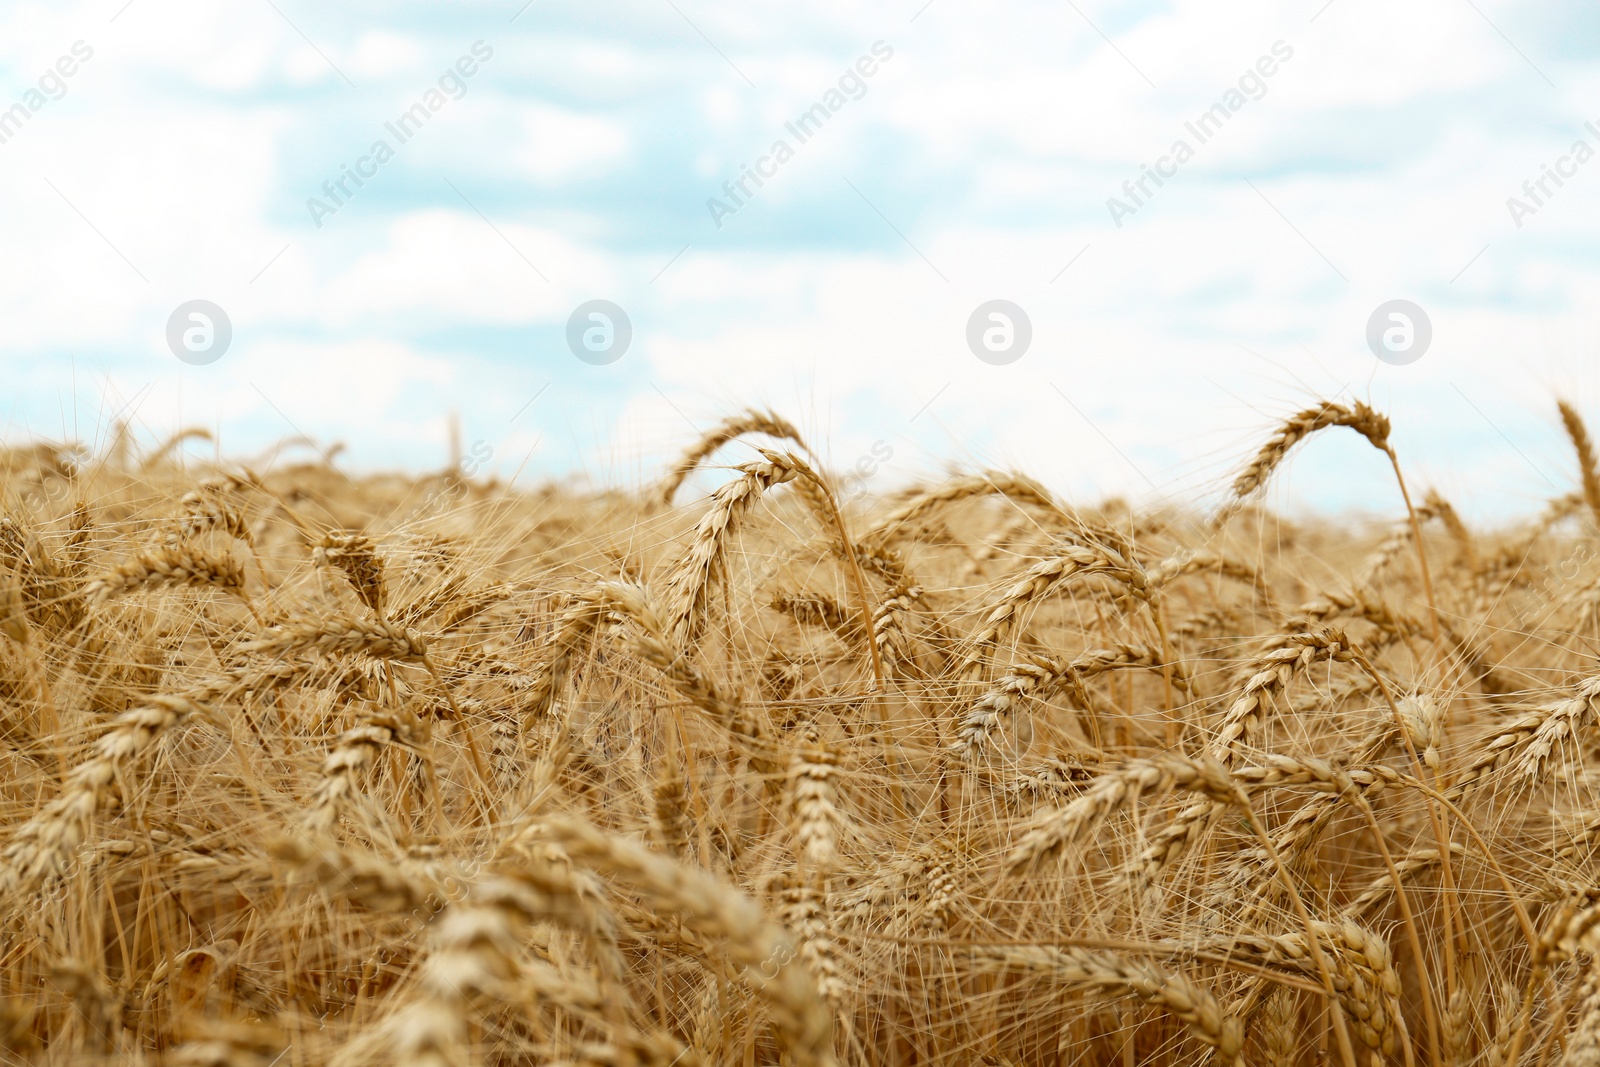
(805, 911)
(1583, 444)
(1524, 745)
(814, 490)
(689, 585)
(204, 509)
(376, 638)
(170, 565)
(355, 751)
(356, 556)
(653, 644)
(1267, 678)
(888, 628)
(165, 448)
(42, 848)
(1040, 679)
(814, 801)
(1114, 791)
(1358, 417)
(1369, 424)
(818, 609)
(669, 824)
(564, 645)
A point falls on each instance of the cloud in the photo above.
(977, 165)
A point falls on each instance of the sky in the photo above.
(401, 213)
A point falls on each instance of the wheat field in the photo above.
(306, 769)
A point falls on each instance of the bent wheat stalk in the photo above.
(689, 585)
(1359, 417)
(752, 421)
(1185, 999)
(762, 948)
(1071, 561)
(1017, 487)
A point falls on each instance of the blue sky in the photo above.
(974, 162)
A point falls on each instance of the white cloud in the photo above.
(990, 142)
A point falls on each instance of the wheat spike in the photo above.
(378, 639)
(1071, 561)
(169, 566)
(1583, 444)
(357, 557)
(689, 585)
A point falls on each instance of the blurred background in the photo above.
(1193, 212)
